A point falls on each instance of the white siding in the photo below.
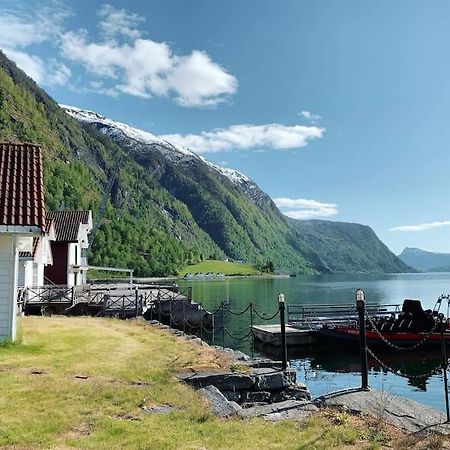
(9, 262)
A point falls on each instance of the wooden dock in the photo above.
(271, 334)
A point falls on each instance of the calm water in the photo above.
(332, 369)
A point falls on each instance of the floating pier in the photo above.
(271, 334)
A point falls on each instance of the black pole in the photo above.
(361, 307)
(281, 308)
(223, 325)
(251, 330)
(445, 366)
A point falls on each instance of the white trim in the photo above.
(20, 229)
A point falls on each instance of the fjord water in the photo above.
(333, 368)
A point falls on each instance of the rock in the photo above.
(270, 380)
(236, 406)
(258, 396)
(159, 409)
(398, 411)
(292, 414)
(232, 396)
(295, 392)
(217, 402)
(240, 356)
(247, 405)
(224, 381)
(275, 408)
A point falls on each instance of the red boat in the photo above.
(411, 328)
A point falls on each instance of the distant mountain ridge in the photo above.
(349, 247)
(426, 261)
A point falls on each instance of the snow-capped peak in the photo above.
(175, 153)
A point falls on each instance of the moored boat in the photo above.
(410, 328)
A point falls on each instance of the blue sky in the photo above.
(338, 109)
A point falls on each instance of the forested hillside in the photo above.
(158, 217)
(164, 206)
(349, 247)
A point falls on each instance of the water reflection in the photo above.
(328, 370)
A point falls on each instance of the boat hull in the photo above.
(401, 339)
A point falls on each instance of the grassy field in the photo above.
(217, 266)
(86, 383)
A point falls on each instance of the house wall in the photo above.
(74, 258)
(57, 272)
(9, 261)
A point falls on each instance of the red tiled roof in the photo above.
(21, 185)
(67, 224)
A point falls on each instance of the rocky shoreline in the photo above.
(252, 387)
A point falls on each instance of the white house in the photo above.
(68, 247)
(22, 218)
(31, 264)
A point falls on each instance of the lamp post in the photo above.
(361, 307)
(281, 308)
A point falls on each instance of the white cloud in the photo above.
(247, 137)
(422, 226)
(19, 30)
(301, 208)
(121, 62)
(146, 68)
(119, 22)
(50, 73)
(310, 116)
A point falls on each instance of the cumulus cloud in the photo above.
(421, 226)
(308, 115)
(116, 22)
(247, 137)
(18, 30)
(121, 61)
(128, 63)
(50, 72)
(301, 208)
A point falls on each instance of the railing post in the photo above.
(223, 325)
(183, 315)
(251, 330)
(136, 296)
(170, 311)
(281, 308)
(201, 324)
(190, 293)
(444, 364)
(73, 295)
(361, 308)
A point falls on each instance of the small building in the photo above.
(22, 218)
(31, 264)
(69, 247)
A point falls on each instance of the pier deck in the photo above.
(271, 334)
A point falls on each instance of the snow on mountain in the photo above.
(143, 139)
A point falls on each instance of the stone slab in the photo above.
(224, 381)
(401, 412)
(269, 380)
(265, 410)
(220, 406)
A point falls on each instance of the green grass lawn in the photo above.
(84, 382)
(217, 266)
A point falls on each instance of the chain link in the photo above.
(397, 372)
(398, 347)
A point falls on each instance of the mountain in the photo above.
(426, 261)
(160, 207)
(348, 247)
